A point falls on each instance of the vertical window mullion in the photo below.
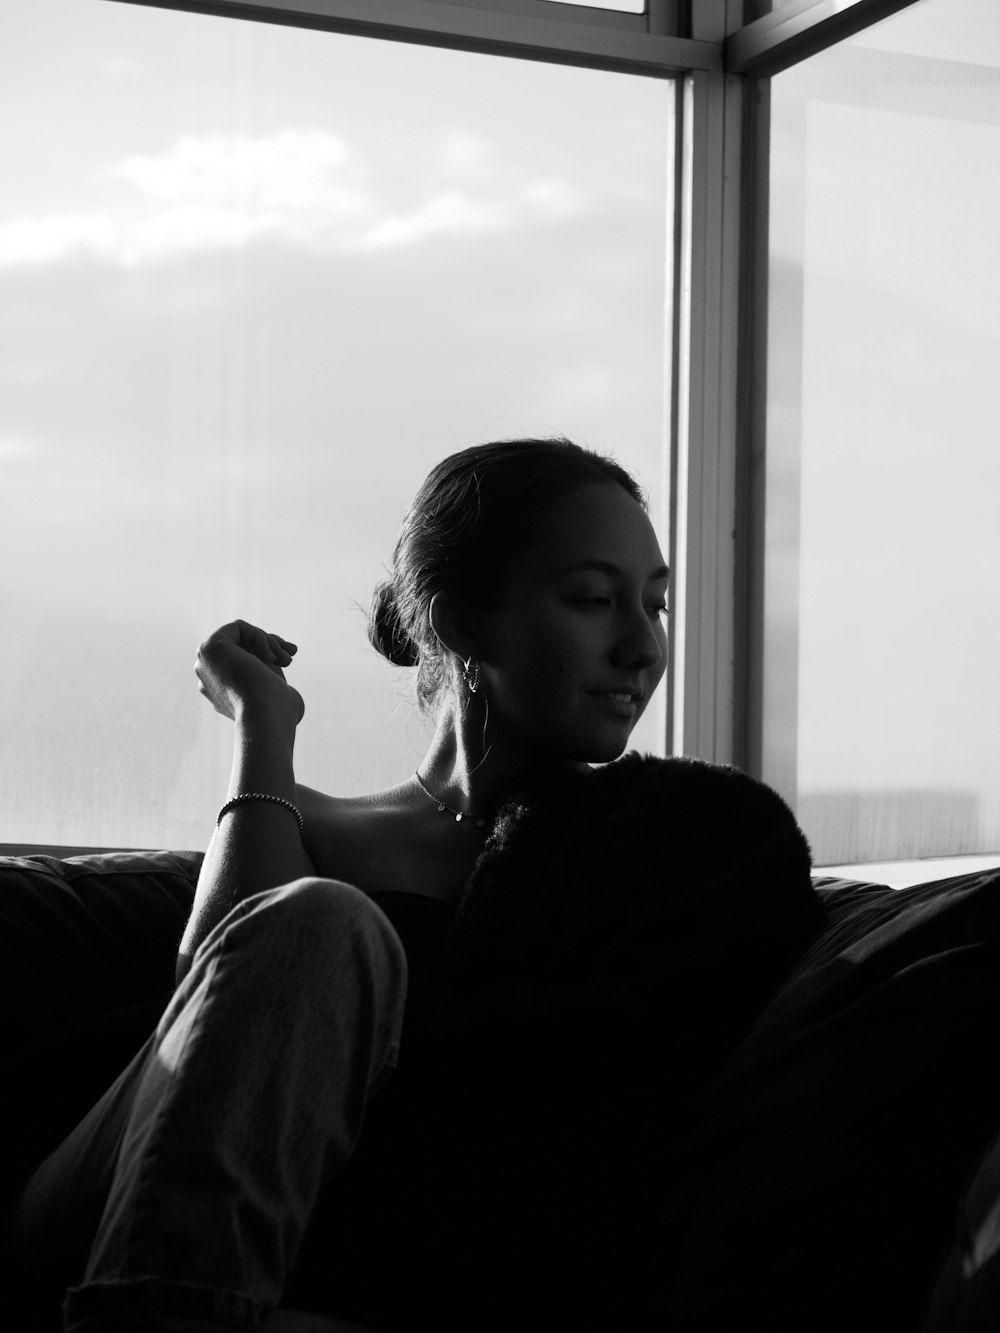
(703, 502)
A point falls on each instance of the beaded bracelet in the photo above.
(259, 796)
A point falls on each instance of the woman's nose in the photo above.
(639, 643)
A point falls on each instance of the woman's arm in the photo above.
(257, 846)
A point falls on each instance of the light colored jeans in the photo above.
(242, 1106)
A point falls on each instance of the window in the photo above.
(881, 712)
(254, 281)
(623, 6)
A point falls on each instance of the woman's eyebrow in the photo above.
(606, 567)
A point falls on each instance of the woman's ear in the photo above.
(452, 625)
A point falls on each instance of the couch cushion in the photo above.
(820, 1182)
(88, 946)
(965, 1293)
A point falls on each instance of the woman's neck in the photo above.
(470, 772)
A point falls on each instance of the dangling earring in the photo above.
(470, 674)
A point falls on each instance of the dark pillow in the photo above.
(819, 1183)
(965, 1292)
(88, 946)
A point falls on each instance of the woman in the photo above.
(430, 1048)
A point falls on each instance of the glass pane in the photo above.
(881, 709)
(622, 6)
(755, 9)
(254, 282)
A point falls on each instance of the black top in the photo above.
(420, 922)
(616, 940)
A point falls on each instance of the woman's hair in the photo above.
(468, 522)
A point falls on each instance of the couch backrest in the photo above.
(88, 947)
(836, 1142)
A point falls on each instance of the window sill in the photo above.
(901, 874)
(61, 852)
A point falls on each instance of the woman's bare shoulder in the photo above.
(347, 837)
(384, 841)
(343, 812)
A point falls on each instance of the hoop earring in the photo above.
(470, 675)
(486, 748)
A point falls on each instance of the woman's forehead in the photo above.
(599, 525)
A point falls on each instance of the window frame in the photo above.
(781, 768)
(645, 44)
(798, 30)
(713, 473)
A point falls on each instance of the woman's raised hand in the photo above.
(240, 667)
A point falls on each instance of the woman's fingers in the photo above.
(281, 648)
(270, 648)
(255, 641)
(239, 662)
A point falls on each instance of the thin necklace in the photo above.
(443, 805)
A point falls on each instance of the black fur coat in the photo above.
(620, 933)
(658, 886)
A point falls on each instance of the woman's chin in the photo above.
(586, 744)
(603, 749)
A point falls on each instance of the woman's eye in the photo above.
(653, 609)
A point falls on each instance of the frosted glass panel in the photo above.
(881, 709)
(254, 282)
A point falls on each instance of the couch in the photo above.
(842, 1173)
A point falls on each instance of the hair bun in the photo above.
(385, 630)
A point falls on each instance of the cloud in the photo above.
(206, 194)
(218, 192)
(284, 175)
(189, 228)
(44, 240)
(445, 215)
(466, 212)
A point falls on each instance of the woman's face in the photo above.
(578, 645)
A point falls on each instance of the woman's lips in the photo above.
(619, 702)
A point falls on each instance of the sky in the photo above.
(254, 282)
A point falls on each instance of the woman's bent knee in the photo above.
(317, 902)
(316, 894)
(314, 914)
